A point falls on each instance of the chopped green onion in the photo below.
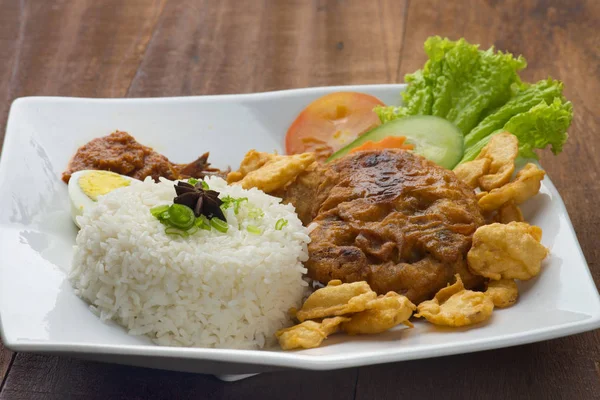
(174, 231)
(256, 213)
(280, 224)
(158, 210)
(192, 230)
(228, 201)
(164, 216)
(192, 181)
(204, 185)
(219, 224)
(181, 216)
(236, 205)
(203, 223)
(254, 229)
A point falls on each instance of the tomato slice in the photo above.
(331, 122)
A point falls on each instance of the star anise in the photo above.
(203, 202)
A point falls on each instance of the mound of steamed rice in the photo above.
(210, 289)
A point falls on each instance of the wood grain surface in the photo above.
(138, 48)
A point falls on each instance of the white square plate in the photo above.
(39, 311)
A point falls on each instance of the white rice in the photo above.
(210, 289)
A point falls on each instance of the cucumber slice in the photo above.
(434, 138)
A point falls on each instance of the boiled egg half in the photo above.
(86, 186)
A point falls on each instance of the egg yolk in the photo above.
(98, 183)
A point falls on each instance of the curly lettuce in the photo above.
(390, 113)
(459, 83)
(480, 91)
(531, 95)
(541, 126)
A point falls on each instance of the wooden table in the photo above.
(139, 48)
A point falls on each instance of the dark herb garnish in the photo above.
(201, 201)
(200, 169)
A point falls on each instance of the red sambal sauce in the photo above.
(119, 152)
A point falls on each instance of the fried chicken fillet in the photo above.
(391, 218)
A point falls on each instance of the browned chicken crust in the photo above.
(391, 218)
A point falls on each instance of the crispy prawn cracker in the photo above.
(526, 185)
(308, 334)
(506, 214)
(480, 195)
(381, 314)
(455, 306)
(336, 299)
(510, 212)
(252, 161)
(507, 251)
(471, 171)
(503, 293)
(269, 172)
(502, 150)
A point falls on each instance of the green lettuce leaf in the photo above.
(459, 82)
(390, 113)
(482, 94)
(544, 125)
(541, 126)
(522, 101)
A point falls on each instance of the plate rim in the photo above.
(220, 97)
(296, 360)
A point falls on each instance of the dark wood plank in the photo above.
(547, 370)
(205, 47)
(40, 377)
(72, 48)
(558, 40)
(6, 358)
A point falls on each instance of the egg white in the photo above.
(81, 201)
